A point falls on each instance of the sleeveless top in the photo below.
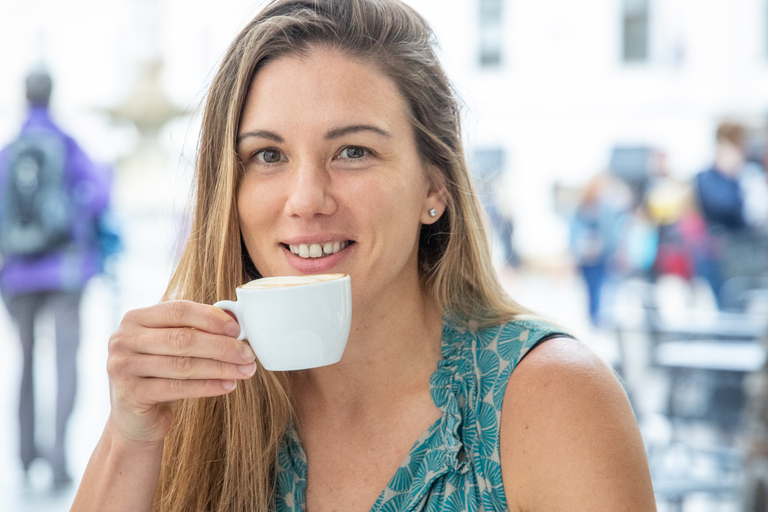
(455, 464)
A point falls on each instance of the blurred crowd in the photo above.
(640, 220)
(649, 223)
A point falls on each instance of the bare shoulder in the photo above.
(568, 437)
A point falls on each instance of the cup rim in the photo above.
(339, 277)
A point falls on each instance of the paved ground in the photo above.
(141, 276)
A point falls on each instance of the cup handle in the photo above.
(234, 308)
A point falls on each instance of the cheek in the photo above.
(251, 213)
(396, 215)
(256, 204)
(244, 215)
(402, 194)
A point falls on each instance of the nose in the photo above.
(311, 191)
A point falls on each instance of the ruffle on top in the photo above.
(445, 387)
(455, 464)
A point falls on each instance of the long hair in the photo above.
(220, 452)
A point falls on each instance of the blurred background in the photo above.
(595, 130)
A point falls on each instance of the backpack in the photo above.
(35, 212)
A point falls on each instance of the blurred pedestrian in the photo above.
(721, 200)
(667, 201)
(638, 246)
(595, 233)
(51, 194)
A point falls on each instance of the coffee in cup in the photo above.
(294, 322)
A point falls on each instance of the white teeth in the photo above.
(317, 250)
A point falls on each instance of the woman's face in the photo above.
(333, 181)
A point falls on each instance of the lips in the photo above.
(318, 250)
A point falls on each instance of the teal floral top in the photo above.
(455, 464)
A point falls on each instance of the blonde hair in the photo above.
(220, 452)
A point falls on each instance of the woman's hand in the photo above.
(168, 352)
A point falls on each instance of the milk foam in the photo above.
(283, 281)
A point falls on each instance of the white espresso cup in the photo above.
(294, 322)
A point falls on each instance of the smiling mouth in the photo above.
(310, 251)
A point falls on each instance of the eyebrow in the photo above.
(346, 130)
(332, 134)
(261, 134)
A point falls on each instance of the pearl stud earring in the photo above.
(432, 213)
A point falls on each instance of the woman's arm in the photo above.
(569, 439)
(121, 475)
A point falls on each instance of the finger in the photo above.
(184, 313)
(188, 368)
(189, 342)
(169, 390)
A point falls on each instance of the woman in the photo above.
(332, 121)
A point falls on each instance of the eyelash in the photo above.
(261, 152)
(367, 153)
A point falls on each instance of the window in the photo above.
(635, 27)
(490, 32)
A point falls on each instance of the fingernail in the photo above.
(248, 369)
(246, 353)
(232, 329)
(229, 385)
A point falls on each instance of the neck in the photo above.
(393, 348)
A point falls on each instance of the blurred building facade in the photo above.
(557, 85)
(553, 85)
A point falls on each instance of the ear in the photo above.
(436, 200)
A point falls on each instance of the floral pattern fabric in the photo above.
(455, 464)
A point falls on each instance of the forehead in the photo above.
(323, 82)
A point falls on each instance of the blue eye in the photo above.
(353, 152)
(269, 156)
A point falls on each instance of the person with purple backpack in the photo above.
(51, 196)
